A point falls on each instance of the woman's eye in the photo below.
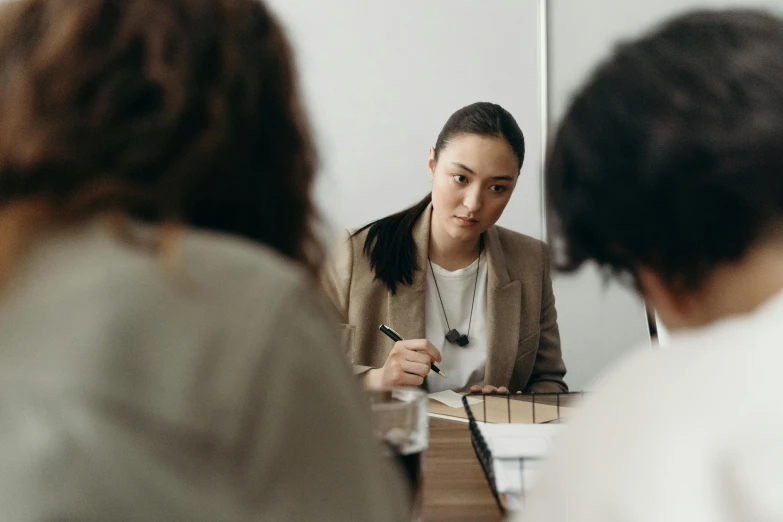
(498, 188)
(459, 178)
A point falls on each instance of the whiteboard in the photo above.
(380, 79)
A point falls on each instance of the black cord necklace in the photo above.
(453, 336)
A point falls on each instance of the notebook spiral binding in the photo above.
(480, 447)
(483, 454)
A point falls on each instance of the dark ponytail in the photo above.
(389, 244)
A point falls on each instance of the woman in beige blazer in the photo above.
(502, 334)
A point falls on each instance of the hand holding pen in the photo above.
(407, 364)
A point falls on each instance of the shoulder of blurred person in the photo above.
(687, 432)
(200, 381)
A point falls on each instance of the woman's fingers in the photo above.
(416, 356)
(422, 345)
(416, 368)
(488, 389)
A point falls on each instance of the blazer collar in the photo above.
(497, 271)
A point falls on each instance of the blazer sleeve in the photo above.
(549, 368)
(336, 279)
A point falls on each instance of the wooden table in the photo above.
(455, 488)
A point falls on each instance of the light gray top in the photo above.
(216, 393)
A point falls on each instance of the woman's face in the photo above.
(472, 182)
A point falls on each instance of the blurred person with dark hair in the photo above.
(151, 370)
(668, 169)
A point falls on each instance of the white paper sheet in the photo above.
(517, 452)
(452, 399)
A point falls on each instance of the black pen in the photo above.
(394, 336)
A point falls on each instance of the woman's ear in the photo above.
(431, 162)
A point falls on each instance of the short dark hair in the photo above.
(671, 156)
(184, 110)
(389, 244)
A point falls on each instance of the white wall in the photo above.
(598, 324)
(381, 78)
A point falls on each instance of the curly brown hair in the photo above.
(184, 110)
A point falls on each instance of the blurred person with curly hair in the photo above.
(163, 351)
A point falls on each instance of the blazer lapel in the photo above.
(406, 308)
(504, 306)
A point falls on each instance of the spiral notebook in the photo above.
(511, 448)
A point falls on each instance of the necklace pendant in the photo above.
(453, 336)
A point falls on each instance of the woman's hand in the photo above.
(407, 365)
(488, 389)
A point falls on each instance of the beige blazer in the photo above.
(523, 339)
(219, 392)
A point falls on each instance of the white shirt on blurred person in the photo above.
(690, 432)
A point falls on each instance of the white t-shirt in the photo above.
(690, 432)
(463, 365)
